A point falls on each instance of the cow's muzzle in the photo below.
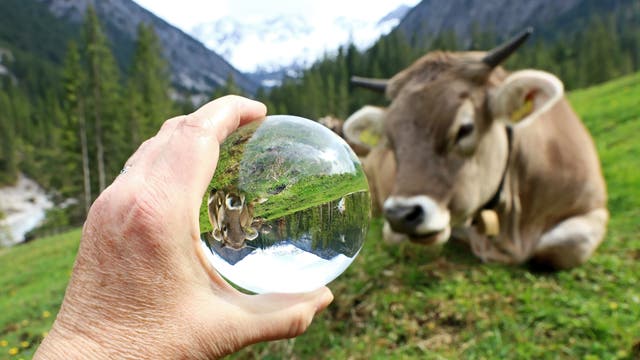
(420, 217)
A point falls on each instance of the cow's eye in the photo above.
(464, 131)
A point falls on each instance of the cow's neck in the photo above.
(493, 202)
(486, 219)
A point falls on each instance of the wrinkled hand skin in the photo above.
(141, 287)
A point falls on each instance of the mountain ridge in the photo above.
(550, 18)
(194, 67)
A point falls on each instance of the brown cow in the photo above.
(364, 131)
(501, 156)
(232, 219)
(332, 123)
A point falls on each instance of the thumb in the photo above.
(278, 316)
(190, 154)
(237, 320)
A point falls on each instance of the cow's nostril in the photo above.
(404, 218)
(415, 215)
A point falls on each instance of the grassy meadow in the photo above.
(263, 160)
(409, 302)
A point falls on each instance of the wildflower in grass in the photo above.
(13, 351)
(4, 343)
(24, 344)
(24, 322)
(45, 314)
(613, 305)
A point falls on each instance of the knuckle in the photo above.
(135, 209)
(195, 123)
(230, 98)
(101, 207)
(145, 144)
(299, 323)
(171, 123)
(143, 215)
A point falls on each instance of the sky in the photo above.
(323, 16)
(186, 14)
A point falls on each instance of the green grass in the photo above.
(411, 302)
(259, 160)
(33, 278)
(408, 302)
(313, 192)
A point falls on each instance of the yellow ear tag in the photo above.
(369, 137)
(522, 111)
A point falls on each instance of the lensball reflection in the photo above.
(288, 207)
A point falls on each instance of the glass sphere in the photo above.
(288, 207)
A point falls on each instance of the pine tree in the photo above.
(8, 151)
(229, 88)
(595, 62)
(75, 133)
(148, 87)
(20, 109)
(342, 85)
(103, 101)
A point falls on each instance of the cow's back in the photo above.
(557, 169)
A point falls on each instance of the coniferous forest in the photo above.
(607, 47)
(72, 127)
(74, 134)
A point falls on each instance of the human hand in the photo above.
(141, 287)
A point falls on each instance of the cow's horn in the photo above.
(502, 52)
(379, 85)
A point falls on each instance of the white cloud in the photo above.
(321, 27)
(186, 14)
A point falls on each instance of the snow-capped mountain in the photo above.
(194, 68)
(274, 46)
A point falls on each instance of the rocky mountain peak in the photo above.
(432, 17)
(194, 67)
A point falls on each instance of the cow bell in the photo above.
(488, 223)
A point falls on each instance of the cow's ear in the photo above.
(364, 129)
(524, 95)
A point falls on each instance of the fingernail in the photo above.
(325, 299)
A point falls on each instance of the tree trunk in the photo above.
(98, 123)
(100, 154)
(86, 172)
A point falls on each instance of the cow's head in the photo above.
(446, 125)
(231, 219)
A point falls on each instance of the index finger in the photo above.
(226, 114)
(189, 158)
